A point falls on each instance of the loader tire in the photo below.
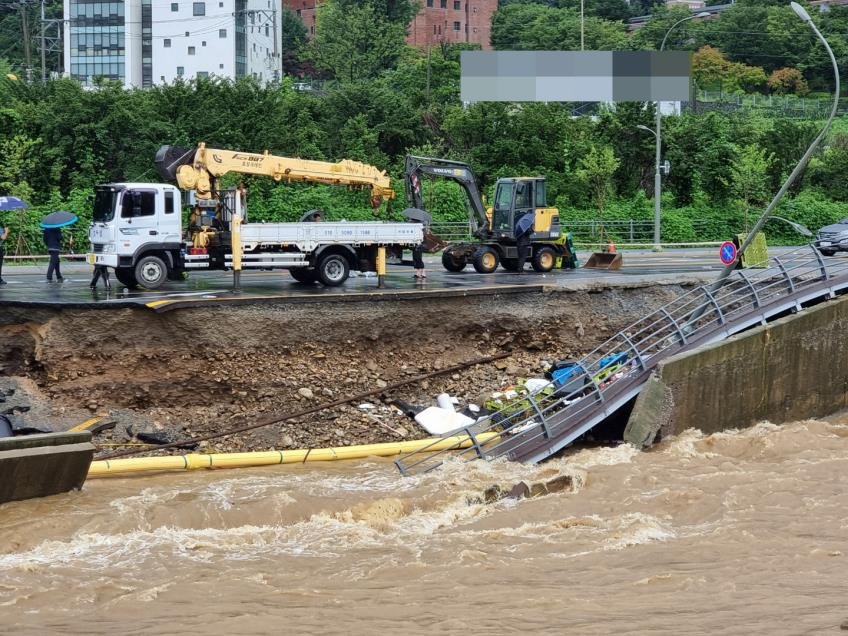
(453, 262)
(485, 260)
(544, 259)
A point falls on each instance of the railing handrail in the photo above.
(695, 317)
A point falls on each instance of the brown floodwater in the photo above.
(733, 533)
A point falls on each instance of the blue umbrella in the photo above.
(58, 219)
(524, 223)
(12, 203)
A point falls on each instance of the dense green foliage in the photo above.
(58, 140)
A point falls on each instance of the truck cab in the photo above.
(136, 229)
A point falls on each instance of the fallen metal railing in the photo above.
(538, 425)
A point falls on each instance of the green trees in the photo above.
(357, 40)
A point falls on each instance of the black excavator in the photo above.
(494, 229)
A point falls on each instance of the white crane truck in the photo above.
(138, 230)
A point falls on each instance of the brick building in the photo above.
(438, 21)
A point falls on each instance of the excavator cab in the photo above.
(516, 197)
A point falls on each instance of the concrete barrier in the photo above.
(41, 465)
(790, 369)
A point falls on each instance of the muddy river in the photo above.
(734, 533)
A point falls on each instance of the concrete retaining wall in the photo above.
(791, 369)
(41, 465)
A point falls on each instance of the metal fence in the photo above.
(540, 424)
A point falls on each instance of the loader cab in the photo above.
(513, 199)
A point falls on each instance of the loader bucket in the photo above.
(604, 260)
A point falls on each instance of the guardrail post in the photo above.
(786, 274)
(721, 319)
(544, 422)
(753, 289)
(822, 266)
(676, 325)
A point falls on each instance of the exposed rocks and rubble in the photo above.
(192, 372)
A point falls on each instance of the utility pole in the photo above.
(277, 57)
(25, 36)
(43, 48)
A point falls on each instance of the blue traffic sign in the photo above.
(727, 252)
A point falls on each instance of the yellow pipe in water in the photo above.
(192, 461)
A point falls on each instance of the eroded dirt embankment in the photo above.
(201, 370)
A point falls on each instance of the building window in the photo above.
(220, 66)
(440, 29)
(222, 33)
(203, 43)
(161, 78)
(187, 34)
(180, 71)
(312, 30)
(429, 3)
(434, 29)
(199, 8)
(191, 50)
(443, 4)
(175, 6)
(457, 26)
(220, 5)
(457, 5)
(202, 74)
(167, 43)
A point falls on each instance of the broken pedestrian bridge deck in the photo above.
(609, 378)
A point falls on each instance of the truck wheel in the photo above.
(151, 272)
(126, 277)
(333, 270)
(303, 275)
(486, 260)
(453, 262)
(827, 252)
(544, 259)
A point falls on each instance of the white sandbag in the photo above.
(438, 421)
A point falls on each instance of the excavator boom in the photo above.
(456, 171)
(199, 168)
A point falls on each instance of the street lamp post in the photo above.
(802, 163)
(658, 134)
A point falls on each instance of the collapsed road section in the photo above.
(160, 378)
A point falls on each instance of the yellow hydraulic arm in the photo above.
(199, 168)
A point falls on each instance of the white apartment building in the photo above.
(146, 42)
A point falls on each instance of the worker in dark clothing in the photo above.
(100, 271)
(53, 241)
(522, 242)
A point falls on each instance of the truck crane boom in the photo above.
(199, 169)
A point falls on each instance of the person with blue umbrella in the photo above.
(52, 225)
(523, 232)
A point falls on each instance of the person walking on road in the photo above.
(3, 236)
(418, 261)
(53, 241)
(100, 271)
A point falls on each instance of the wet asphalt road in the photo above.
(27, 284)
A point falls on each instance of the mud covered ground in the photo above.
(203, 370)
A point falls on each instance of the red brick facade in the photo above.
(439, 21)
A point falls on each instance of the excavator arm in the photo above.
(199, 169)
(455, 171)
